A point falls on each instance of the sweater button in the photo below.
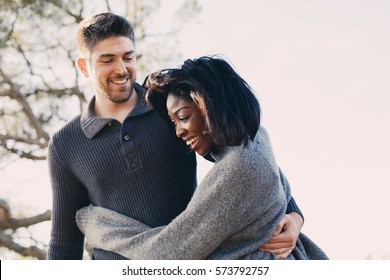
(126, 137)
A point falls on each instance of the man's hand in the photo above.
(285, 236)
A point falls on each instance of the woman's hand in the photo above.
(285, 236)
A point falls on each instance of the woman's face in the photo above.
(189, 124)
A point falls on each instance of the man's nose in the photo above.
(120, 67)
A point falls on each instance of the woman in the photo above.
(237, 206)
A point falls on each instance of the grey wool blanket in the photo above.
(234, 210)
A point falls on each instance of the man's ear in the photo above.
(82, 65)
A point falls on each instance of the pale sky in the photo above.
(321, 70)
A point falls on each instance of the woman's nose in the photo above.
(179, 131)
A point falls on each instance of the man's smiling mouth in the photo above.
(119, 81)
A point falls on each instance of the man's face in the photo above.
(111, 68)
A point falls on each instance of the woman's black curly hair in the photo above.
(229, 106)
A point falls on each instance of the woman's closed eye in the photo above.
(184, 119)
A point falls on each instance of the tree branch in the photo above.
(78, 18)
(21, 51)
(108, 6)
(41, 133)
(7, 222)
(5, 214)
(22, 154)
(29, 141)
(33, 251)
(26, 222)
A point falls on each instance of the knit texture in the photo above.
(138, 168)
(234, 210)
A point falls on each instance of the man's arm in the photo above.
(288, 229)
(66, 241)
(285, 237)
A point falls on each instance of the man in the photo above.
(119, 154)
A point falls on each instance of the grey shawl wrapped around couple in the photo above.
(234, 210)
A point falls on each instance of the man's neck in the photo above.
(105, 108)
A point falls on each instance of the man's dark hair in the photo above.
(229, 106)
(96, 28)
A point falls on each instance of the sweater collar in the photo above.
(92, 125)
(218, 153)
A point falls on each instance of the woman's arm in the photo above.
(215, 212)
(194, 234)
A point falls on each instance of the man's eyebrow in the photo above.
(103, 55)
(106, 55)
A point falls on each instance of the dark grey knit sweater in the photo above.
(140, 169)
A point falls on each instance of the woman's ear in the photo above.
(82, 65)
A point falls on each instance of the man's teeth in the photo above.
(192, 140)
(119, 82)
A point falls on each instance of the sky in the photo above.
(321, 70)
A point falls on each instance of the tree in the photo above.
(40, 87)
(9, 225)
